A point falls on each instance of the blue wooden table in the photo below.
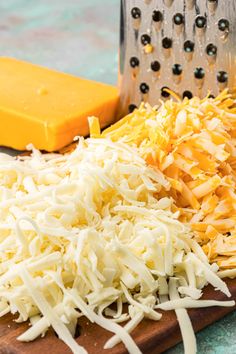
(81, 37)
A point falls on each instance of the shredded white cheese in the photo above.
(186, 328)
(84, 230)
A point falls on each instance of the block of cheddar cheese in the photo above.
(49, 108)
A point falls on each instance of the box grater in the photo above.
(188, 46)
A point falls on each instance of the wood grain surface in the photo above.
(152, 337)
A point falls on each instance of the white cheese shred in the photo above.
(51, 316)
(186, 328)
(85, 230)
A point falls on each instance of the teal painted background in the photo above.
(81, 37)
(75, 36)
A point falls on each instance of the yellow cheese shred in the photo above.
(193, 143)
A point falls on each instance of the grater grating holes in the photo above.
(222, 76)
(188, 50)
(223, 25)
(191, 35)
(145, 39)
(134, 62)
(155, 66)
(144, 88)
(222, 79)
(177, 69)
(187, 94)
(167, 43)
(157, 16)
(136, 16)
(132, 107)
(200, 21)
(136, 13)
(164, 93)
(199, 75)
(211, 50)
(178, 19)
(176, 72)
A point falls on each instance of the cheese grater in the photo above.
(188, 46)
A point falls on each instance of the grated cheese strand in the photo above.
(91, 228)
(186, 328)
(52, 318)
(190, 303)
(129, 327)
(192, 143)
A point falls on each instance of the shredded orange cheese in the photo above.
(193, 143)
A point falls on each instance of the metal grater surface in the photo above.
(188, 46)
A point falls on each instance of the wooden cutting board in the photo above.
(152, 337)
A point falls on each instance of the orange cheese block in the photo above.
(49, 108)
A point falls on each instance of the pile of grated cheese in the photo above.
(84, 230)
(193, 143)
